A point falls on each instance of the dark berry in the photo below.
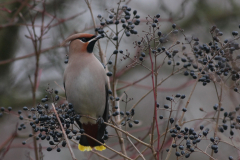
(183, 96)
(115, 52)
(109, 74)
(166, 106)
(134, 12)
(184, 109)
(177, 154)
(173, 26)
(136, 121)
(235, 33)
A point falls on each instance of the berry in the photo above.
(115, 52)
(186, 73)
(178, 95)
(2, 109)
(130, 125)
(134, 12)
(109, 74)
(44, 100)
(171, 120)
(115, 38)
(187, 155)
(183, 96)
(166, 106)
(169, 98)
(117, 22)
(177, 154)
(143, 54)
(234, 33)
(174, 145)
(81, 131)
(173, 26)
(154, 25)
(183, 59)
(64, 143)
(56, 98)
(136, 121)
(122, 21)
(137, 16)
(184, 109)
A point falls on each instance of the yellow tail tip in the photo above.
(100, 148)
(84, 148)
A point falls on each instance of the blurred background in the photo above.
(17, 63)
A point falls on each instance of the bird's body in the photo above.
(86, 88)
(83, 83)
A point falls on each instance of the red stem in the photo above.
(155, 101)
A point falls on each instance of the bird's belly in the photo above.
(87, 95)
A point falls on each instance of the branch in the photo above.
(30, 55)
(108, 147)
(135, 148)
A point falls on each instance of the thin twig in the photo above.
(135, 148)
(64, 134)
(108, 147)
(170, 150)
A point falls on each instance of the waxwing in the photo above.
(86, 88)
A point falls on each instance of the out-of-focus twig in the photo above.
(119, 153)
(9, 140)
(30, 55)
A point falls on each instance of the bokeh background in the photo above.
(196, 17)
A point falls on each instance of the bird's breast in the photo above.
(85, 88)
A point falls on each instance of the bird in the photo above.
(86, 88)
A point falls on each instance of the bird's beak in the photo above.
(98, 37)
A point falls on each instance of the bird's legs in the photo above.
(100, 121)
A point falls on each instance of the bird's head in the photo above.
(82, 42)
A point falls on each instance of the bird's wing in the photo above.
(64, 88)
(106, 111)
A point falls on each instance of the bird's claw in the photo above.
(100, 121)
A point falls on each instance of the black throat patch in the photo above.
(90, 46)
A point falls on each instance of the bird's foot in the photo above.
(100, 121)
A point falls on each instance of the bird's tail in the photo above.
(93, 130)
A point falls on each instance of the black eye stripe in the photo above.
(86, 39)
